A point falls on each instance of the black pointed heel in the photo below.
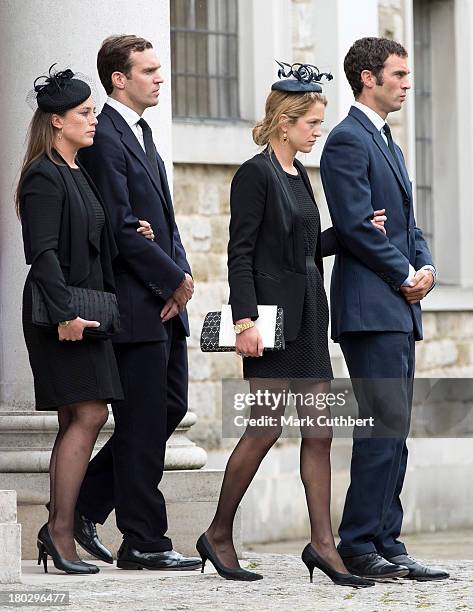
(46, 547)
(312, 559)
(229, 573)
(42, 556)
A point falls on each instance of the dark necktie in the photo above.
(387, 132)
(149, 146)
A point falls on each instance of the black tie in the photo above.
(149, 145)
(387, 132)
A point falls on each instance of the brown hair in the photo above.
(40, 138)
(369, 53)
(114, 56)
(278, 103)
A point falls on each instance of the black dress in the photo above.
(307, 356)
(69, 372)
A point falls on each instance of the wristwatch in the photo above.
(64, 323)
(239, 327)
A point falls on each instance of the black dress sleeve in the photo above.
(329, 242)
(41, 210)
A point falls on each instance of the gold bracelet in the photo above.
(240, 327)
(64, 323)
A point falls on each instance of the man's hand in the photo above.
(421, 283)
(170, 310)
(184, 292)
(379, 219)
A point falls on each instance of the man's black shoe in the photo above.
(417, 571)
(130, 558)
(374, 566)
(85, 534)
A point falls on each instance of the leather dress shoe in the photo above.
(418, 571)
(85, 534)
(374, 566)
(130, 558)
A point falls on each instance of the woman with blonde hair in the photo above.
(275, 257)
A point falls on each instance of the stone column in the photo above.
(33, 38)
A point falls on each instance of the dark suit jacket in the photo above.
(266, 258)
(359, 176)
(146, 272)
(59, 236)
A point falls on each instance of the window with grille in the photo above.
(204, 59)
(423, 118)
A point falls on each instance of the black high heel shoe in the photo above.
(46, 547)
(230, 573)
(312, 559)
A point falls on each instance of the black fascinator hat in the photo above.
(60, 91)
(299, 78)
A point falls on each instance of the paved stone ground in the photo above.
(285, 588)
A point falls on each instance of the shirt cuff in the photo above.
(412, 272)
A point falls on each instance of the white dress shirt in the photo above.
(131, 117)
(379, 123)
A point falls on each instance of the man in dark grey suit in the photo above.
(378, 283)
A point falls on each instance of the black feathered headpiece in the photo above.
(60, 91)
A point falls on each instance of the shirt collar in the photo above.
(130, 116)
(372, 115)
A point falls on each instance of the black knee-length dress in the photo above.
(307, 356)
(70, 372)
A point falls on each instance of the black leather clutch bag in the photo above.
(209, 337)
(89, 304)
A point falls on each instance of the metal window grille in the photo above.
(204, 59)
(423, 118)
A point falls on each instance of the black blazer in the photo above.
(146, 272)
(59, 236)
(266, 258)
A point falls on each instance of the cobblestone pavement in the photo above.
(285, 588)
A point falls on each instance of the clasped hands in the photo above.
(420, 286)
(177, 302)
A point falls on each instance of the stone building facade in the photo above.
(202, 155)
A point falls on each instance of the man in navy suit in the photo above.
(378, 283)
(154, 282)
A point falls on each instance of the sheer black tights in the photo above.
(79, 426)
(246, 458)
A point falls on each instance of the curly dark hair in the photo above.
(369, 53)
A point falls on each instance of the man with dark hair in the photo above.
(154, 283)
(378, 282)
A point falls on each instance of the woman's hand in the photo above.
(74, 329)
(249, 343)
(145, 230)
(378, 220)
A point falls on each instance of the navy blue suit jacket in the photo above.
(146, 272)
(359, 176)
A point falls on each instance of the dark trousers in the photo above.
(126, 472)
(372, 516)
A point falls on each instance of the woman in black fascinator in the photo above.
(69, 245)
(275, 257)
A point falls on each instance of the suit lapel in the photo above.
(132, 144)
(378, 139)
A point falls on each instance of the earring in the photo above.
(60, 135)
(284, 137)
